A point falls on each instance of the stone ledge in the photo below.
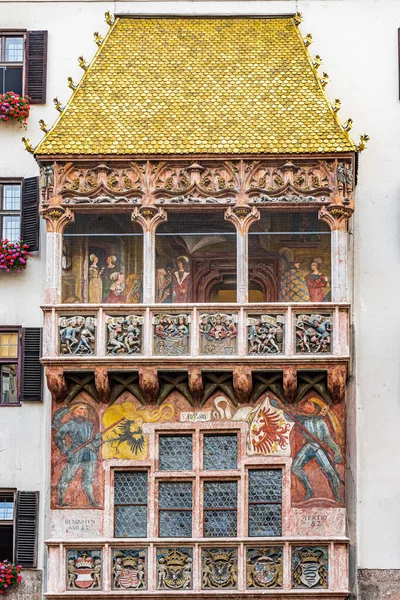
(379, 584)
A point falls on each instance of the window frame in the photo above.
(7, 33)
(11, 361)
(13, 522)
(115, 505)
(5, 213)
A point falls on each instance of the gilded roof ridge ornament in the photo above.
(28, 145)
(109, 18)
(97, 38)
(298, 18)
(324, 79)
(58, 105)
(308, 40)
(317, 61)
(82, 63)
(364, 138)
(348, 125)
(71, 83)
(337, 104)
(43, 126)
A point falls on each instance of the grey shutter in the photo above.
(30, 213)
(36, 66)
(26, 529)
(32, 372)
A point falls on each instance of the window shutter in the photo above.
(36, 66)
(26, 528)
(30, 213)
(31, 366)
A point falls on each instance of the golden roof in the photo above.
(197, 86)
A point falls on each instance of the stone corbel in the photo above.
(337, 376)
(149, 217)
(336, 215)
(56, 383)
(243, 383)
(102, 384)
(57, 217)
(195, 380)
(242, 216)
(289, 383)
(149, 384)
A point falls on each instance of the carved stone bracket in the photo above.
(57, 217)
(242, 216)
(336, 216)
(243, 383)
(337, 376)
(290, 383)
(149, 217)
(56, 383)
(102, 383)
(195, 384)
(149, 383)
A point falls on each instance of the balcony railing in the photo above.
(205, 331)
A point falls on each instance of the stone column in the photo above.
(57, 218)
(149, 217)
(242, 217)
(337, 216)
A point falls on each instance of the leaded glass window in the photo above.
(220, 452)
(220, 508)
(175, 453)
(265, 502)
(130, 499)
(175, 508)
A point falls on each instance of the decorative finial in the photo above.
(58, 105)
(43, 126)
(317, 61)
(348, 125)
(97, 38)
(28, 145)
(324, 79)
(298, 17)
(336, 105)
(82, 63)
(71, 83)
(308, 40)
(109, 18)
(364, 138)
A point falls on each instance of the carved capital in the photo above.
(149, 384)
(57, 217)
(337, 376)
(195, 380)
(336, 215)
(242, 216)
(243, 383)
(290, 383)
(102, 384)
(149, 217)
(56, 383)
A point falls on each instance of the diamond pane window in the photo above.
(175, 508)
(175, 453)
(130, 497)
(220, 452)
(220, 508)
(265, 502)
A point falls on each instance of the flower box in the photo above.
(13, 256)
(9, 576)
(14, 107)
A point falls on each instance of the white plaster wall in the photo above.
(358, 41)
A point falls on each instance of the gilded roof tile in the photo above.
(195, 86)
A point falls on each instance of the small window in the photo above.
(220, 508)
(10, 211)
(11, 63)
(175, 453)
(220, 452)
(265, 502)
(6, 525)
(130, 499)
(175, 509)
(9, 357)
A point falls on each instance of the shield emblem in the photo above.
(310, 574)
(264, 572)
(84, 577)
(129, 578)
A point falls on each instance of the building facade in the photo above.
(198, 194)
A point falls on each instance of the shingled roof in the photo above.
(176, 86)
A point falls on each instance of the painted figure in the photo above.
(181, 280)
(316, 282)
(95, 282)
(164, 284)
(117, 289)
(293, 284)
(133, 289)
(77, 442)
(106, 273)
(319, 445)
